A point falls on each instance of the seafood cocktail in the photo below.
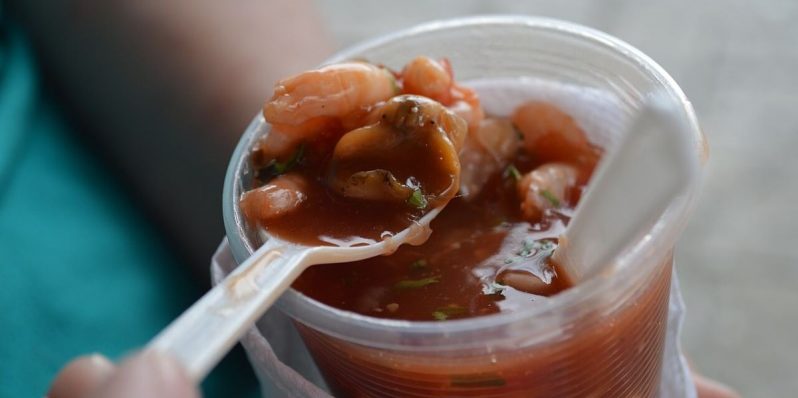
(358, 149)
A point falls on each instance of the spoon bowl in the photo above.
(205, 332)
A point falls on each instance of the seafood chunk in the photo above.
(332, 91)
(376, 184)
(429, 78)
(410, 154)
(434, 79)
(547, 187)
(323, 101)
(551, 135)
(486, 151)
(282, 195)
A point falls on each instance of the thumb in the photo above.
(148, 374)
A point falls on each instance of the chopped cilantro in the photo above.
(416, 283)
(417, 199)
(275, 168)
(552, 198)
(419, 264)
(512, 172)
(443, 313)
(518, 132)
(439, 316)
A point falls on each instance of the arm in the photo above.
(165, 88)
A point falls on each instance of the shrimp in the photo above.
(467, 106)
(412, 148)
(280, 196)
(434, 79)
(332, 91)
(486, 151)
(552, 135)
(547, 187)
(276, 145)
(323, 101)
(429, 78)
(525, 281)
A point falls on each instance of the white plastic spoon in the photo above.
(654, 162)
(204, 333)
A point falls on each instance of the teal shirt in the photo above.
(81, 269)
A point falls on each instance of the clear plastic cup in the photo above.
(603, 337)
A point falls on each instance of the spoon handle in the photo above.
(204, 333)
(655, 162)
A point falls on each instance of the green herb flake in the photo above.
(275, 168)
(477, 381)
(439, 316)
(419, 264)
(444, 313)
(518, 132)
(552, 198)
(416, 283)
(512, 172)
(417, 200)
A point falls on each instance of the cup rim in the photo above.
(372, 331)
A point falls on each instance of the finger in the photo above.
(712, 389)
(81, 377)
(148, 374)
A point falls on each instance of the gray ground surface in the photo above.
(738, 62)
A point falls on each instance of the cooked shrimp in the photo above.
(280, 196)
(486, 151)
(412, 150)
(525, 281)
(429, 78)
(552, 135)
(332, 91)
(411, 113)
(434, 79)
(277, 145)
(547, 187)
(467, 105)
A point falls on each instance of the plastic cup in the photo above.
(603, 337)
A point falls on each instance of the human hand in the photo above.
(155, 375)
(145, 374)
(712, 389)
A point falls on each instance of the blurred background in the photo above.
(117, 119)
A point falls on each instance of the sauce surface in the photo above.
(481, 258)
(519, 178)
(329, 218)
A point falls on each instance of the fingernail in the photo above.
(81, 377)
